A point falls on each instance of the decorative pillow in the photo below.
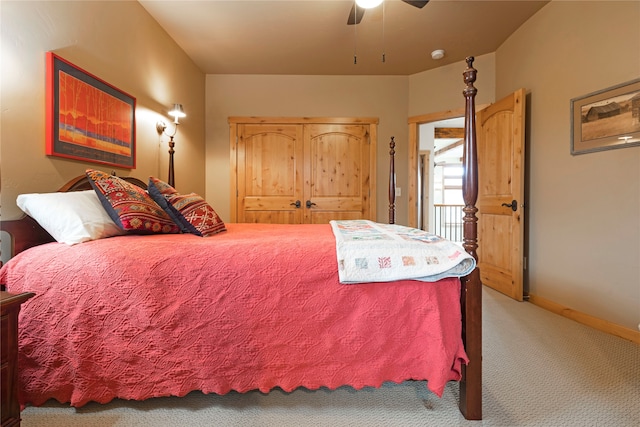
(130, 206)
(190, 211)
(70, 218)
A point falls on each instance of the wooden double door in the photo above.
(302, 170)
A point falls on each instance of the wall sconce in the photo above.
(177, 112)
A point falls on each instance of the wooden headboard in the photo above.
(81, 183)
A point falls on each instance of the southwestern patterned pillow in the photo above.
(129, 206)
(190, 211)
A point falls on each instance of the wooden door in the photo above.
(500, 136)
(338, 172)
(294, 171)
(269, 162)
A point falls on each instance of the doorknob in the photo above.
(513, 205)
(310, 203)
(297, 204)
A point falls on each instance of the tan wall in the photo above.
(583, 211)
(118, 42)
(311, 96)
(440, 89)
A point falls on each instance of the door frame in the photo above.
(423, 189)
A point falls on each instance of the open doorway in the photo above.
(440, 148)
(437, 183)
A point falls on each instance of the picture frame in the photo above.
(87, 119)
(606, 119)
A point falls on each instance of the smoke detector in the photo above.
(437, 54)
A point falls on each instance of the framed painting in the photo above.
(88, 119)
(606, 119)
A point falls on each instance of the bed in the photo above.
(253, 306)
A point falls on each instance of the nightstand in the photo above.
(10, 304)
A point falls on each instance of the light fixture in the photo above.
(365, 4)
(437, 54)
(177, 112)
(368, 4)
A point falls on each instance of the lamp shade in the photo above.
(177, 111)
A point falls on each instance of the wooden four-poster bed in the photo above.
(138, 316)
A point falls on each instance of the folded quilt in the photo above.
(372, 252)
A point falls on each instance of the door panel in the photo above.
(271, 217)
(322, 217)
(269, 162)
(500, 136)
(337, 173)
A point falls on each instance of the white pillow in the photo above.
(70, 218)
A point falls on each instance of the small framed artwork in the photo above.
(88, 119)
(606, 119)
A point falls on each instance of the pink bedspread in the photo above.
(256, 307)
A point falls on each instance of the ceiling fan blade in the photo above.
(356, 14)
(418, 4)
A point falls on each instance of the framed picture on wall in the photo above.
(606, 119)
(87, 118)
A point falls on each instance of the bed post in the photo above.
(471, 296)
(392, 182)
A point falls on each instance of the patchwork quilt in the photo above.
(372, 252)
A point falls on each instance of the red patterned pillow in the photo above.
(129, 206)
(190, 211)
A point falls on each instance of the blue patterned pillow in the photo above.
(190, 211)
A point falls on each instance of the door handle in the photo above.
(297, 204)
(310, 203)
(513, 205)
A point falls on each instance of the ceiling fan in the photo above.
(357, 12)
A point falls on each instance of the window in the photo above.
(448, 184)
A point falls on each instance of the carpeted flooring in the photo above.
(540, 369)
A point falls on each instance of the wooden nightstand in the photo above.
(10, 304)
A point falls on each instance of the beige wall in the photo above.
(440, 89)
(118, 42)
(583, 211)
(306, 96)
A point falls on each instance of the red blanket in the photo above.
(256, 307)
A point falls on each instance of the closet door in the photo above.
(337, 172)
(269, 173)
(302, 170)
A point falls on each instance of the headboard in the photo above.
(81, 183)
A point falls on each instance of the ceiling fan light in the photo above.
(368, 4)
